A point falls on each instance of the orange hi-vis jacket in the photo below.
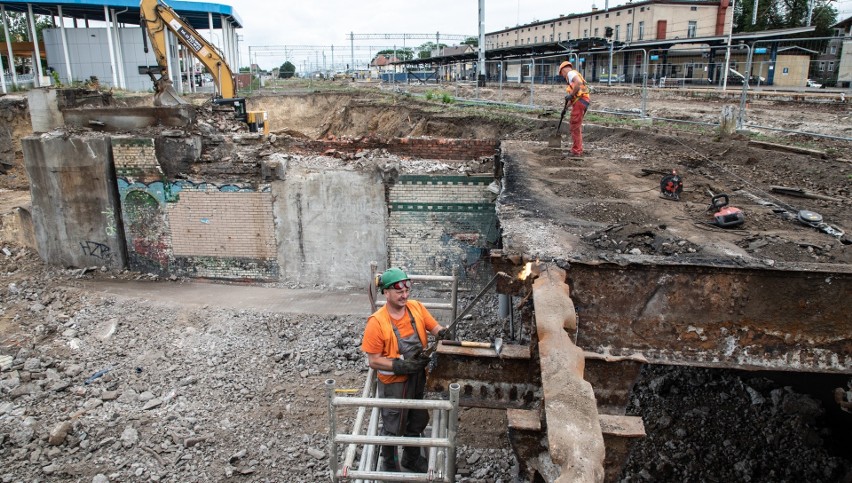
(380, 339)
(583, 93)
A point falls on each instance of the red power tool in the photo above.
(724, 215)
(671, 186)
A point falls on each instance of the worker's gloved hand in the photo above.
(568, 97)
(444, 334)
(410, 366)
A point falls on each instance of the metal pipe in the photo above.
(359, 421)
(393, 441)
(436, 433)
(454, 296)
(388, 476)
(827, 136)
(643, 105)
(502, 305)
(428, 305)
(532, 81)
(512, 317)
(431, 278)
(392, 403)
(332, 429)
(452, 430)
(741, 114)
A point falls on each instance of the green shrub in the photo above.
(446, 98)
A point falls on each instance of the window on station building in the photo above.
(641, 30)
(691, 29)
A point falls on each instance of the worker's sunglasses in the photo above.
(402, 284)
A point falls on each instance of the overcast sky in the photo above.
(329, 22)
(267, 25)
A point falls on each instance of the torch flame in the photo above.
(525, 272)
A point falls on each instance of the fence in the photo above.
(798, 68)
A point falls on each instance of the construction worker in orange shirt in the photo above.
(394, 339)
(578, 96)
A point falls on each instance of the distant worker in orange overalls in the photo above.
(578, 96)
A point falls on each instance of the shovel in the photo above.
(555, 140)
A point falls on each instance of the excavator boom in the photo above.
(157, 18)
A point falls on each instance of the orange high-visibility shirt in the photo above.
(380, 339)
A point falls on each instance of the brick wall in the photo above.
(425, 148)
(436, 222)
(191, 229)
(223, 225)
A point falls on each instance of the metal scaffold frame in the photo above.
(441, 442)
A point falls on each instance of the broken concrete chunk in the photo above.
(59, 433)
(153, 403)
(318, 454)
(129, 437)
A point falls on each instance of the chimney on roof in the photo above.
(594, 8)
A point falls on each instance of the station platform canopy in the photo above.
(196, 14)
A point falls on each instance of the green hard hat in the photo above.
(390, 277)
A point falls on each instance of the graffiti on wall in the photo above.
(96, 249)
(146, 231)
(169, 192)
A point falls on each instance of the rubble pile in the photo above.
(630, 238)
(714, 425)
(103, 388)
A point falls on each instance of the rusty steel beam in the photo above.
(509, 380)
(612, 379)
(574, 438)
(716, 316)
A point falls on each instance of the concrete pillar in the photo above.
(11, 56)
(727, 121)
(75, 206)
(69, 76)
(111, 48)
(37, 60)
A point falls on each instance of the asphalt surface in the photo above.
(274, 299)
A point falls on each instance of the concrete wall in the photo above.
(437, 222)
(330, 225)
(75, 208)
(44, 110)
(310, 225)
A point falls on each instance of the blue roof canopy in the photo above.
(127, 11)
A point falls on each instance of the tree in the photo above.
(780, 14)
(20, 31)
(424, 51)
(474, 41)
(287, 70)
(402, 54)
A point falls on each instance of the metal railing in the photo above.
(441, 442)
(809, 69)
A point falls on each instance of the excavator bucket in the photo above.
(166, 94)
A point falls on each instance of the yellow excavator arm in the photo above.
(156, 18)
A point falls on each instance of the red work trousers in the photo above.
(578, 110)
